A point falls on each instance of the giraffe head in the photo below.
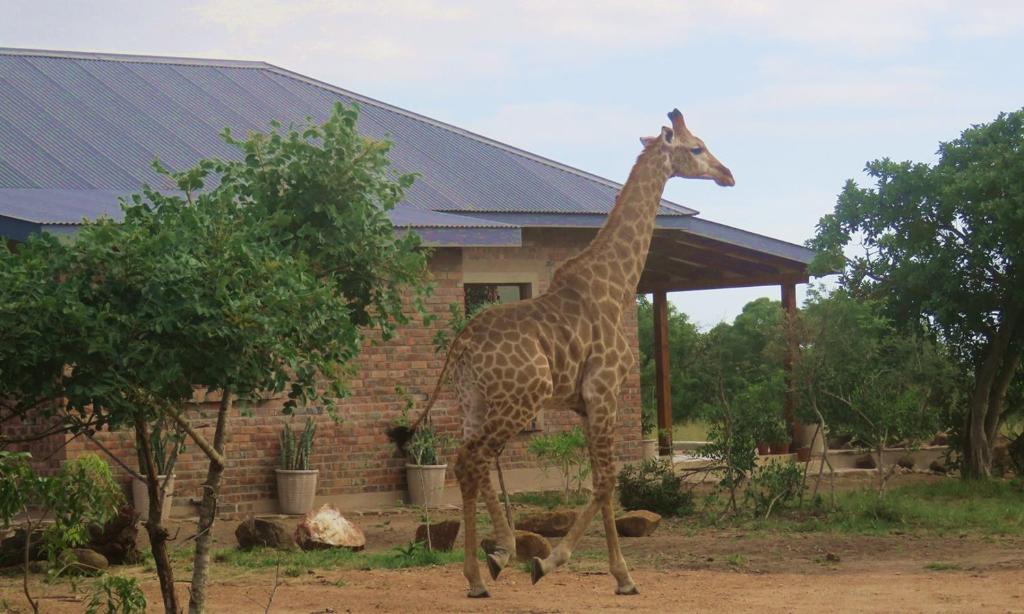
(687, 154)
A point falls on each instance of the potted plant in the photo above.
(425, 472)
(772, 429)
(166, 446)
(649, 427)
(296, 482)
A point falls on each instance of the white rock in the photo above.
(327, 528)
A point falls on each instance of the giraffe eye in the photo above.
(696, 150)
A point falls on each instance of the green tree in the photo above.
(942, 246)
(868, 379)
(683, 339)
(265, 280)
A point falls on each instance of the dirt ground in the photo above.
(678, 569)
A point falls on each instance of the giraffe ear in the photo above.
(647, 140)
(666, 133)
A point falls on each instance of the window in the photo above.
(478, 295)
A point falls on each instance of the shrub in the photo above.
(568, 452)
(773, 486)
(652, 485)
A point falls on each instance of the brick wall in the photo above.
(354, 456)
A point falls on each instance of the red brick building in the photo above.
(77, 130)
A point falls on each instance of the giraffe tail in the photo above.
(401, 434)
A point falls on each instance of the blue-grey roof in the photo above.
(80, 130)
(80, 126)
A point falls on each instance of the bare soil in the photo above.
(679, 568)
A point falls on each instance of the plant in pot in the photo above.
(772, 429)
(166, 445)
(649, 428)
(425, 472)
(296, 482)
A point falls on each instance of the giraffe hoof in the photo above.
(631, 590)
(482, 594)
(536, 570)
(494, 566)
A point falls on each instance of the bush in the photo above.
(566, 451)
(773, 486)
(651, 485)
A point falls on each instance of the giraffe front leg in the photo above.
(467, 470)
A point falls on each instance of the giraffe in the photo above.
(564, 348)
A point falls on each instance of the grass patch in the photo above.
(942, 567)
(988, 508)
(737, 560)
(549, 500)
(413, 555)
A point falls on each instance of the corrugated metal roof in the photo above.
(86, 125)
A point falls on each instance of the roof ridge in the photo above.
(463, 132)
(103, 56)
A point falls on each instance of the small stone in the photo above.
(638, 523)
(84, 561)
(548, 524)
(12, 549)
(327, 528)
(832, 557)
(938, 466)
(528, 546)
(117, 540)
(263, 532)
(906, 461)
(442, 534)
(866, 461)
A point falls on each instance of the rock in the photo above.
(117, 540)
(263, 532)
(832, 557)
(938, 466)
(942, 439)
(548, 524)
(442, 534)
(866, 461)
(12, 549)
(906, 461)
(84, 561)
(528, 545)
(327, 528)
(639, 523)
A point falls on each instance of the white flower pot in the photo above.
(296, 490)
(140, 497)
(650, 448)
(426, 484)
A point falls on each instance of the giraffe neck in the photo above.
(614, 260)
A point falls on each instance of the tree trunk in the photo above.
(208, 511)
(997, 396)
(988, 381)
(154, 525)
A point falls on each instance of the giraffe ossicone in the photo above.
(564, 348)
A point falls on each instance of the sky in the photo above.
(794, 96)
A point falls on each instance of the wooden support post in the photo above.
(789, 309)
(663, 373)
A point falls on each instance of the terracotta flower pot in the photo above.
(426, 484)
(763, 449)
(780, 448)
(140, 497)
(803, 454)
(296, 490)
